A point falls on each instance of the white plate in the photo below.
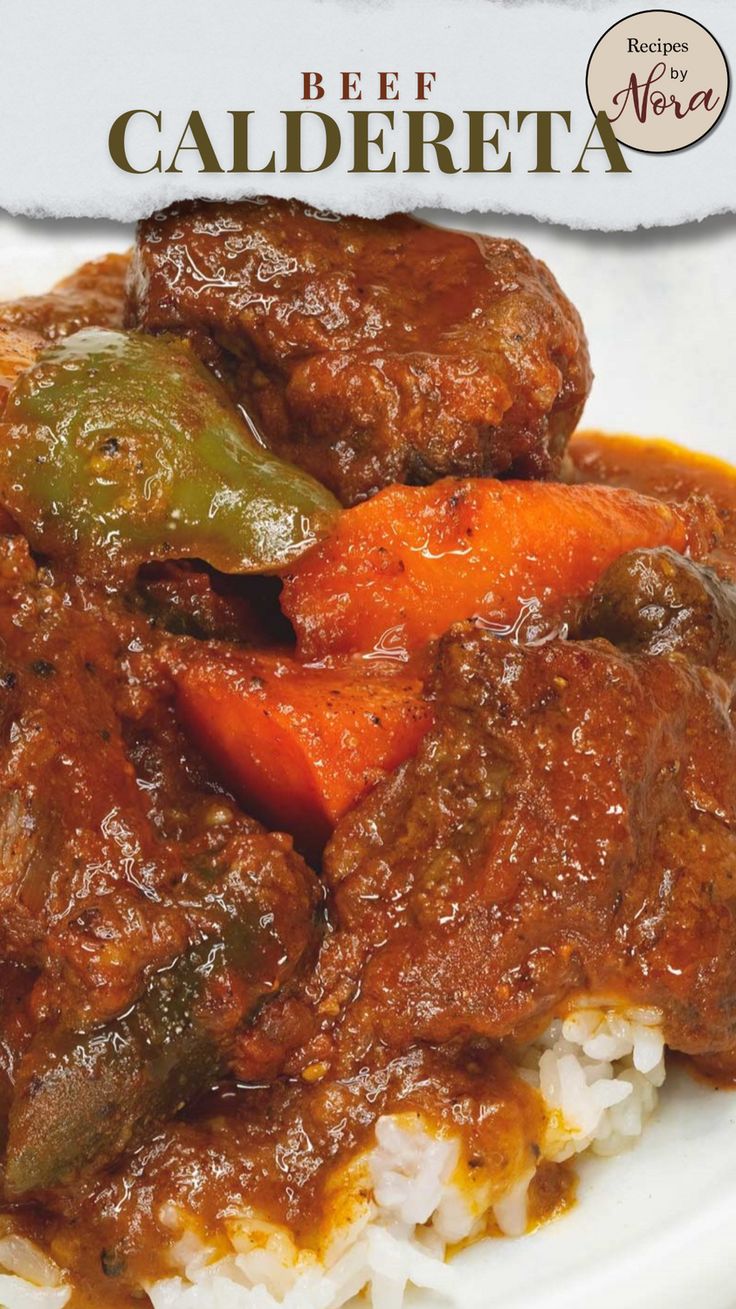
(655, 1228)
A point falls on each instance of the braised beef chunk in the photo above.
(569, 825)
(92, 296)
(371, 352)
(18, 349)
(70, 812)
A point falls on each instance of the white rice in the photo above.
(400, 1206)
(598, 1072)
(29, 1279)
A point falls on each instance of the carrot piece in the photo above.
(297, 745)
(399, 569)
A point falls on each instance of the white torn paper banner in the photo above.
(472, 76)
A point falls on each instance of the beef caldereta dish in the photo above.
(367, 764)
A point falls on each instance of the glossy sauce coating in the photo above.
(225, 1151)
(371, 353)
(281, 1145)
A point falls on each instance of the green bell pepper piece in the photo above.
(94, 1090)
(118, 448)
(87, 1095)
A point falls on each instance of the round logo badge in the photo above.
(661, 78)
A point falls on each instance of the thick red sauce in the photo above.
(280, 1148)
